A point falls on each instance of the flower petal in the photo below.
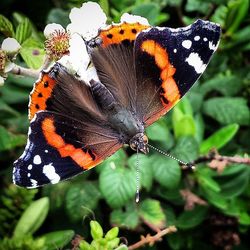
(78, 59)
(87, 20)
(51, 28)
(129, 18)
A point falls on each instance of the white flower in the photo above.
(1, 81)
(78, 59)
(87, 20)
(11, 46)
(51, 28)
(129, 18)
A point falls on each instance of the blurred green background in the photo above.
(214, 114)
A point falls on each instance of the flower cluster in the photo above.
(9, 49)
(69, 47)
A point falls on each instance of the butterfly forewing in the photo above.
(168, 62)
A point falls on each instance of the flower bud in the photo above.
(11, 46)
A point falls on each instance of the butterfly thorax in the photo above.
(123, 120)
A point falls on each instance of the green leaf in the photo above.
(205, 179)
(183, 122)
(6, 26)
(32, 218)
(112, 233)
(228, 110)
(199, 128)
(96, 230)
(219, 15)
(191, 219)
(224, 84)
(147, 10)
(33, 53)
(80, 196)
(112, 244)
(10, 141)
(166, 171)
(234, 169)
(151, 212)
(175, 241)
(158, 131)
(14, 95)
(186, 149)
(170, 215)
(234, 185)
(105, 6)
(57, 15)
(219, 139)
(236, 14)
(24, 81)
(6, 109)
(122, 247)
(128, 218)
(146, 170)
(23, 30)
(84, 245)
(58, 239)
(215, 198)
(197, 5)
(244, 219)
(117, 158)
(185, 127)
(117, 184)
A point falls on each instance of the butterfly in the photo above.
(143, 72)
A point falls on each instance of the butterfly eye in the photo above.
(145, 139)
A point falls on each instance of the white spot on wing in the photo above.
(205, 39)
(33, 183)
(30, 167)
(194, 60)
(28, 174)
(51, 174)
(37, 160)
(46, 151)
(186, 44)
(175, 50)
(197, 38)
(212, 46)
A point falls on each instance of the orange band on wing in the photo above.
(83, 159)
(170, 91)
(40, 94)
(118, 33)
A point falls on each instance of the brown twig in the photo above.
(214, 155)
(191, 199)
(18, 70)
(152, 239)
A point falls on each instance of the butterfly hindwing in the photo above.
(60, 147)
(168, 62)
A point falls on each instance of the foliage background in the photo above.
(215, 114)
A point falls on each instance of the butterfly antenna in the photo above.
(186, 164)
(137, 195)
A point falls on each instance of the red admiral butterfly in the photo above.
(143, 72)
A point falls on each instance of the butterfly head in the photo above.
(139, 142)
